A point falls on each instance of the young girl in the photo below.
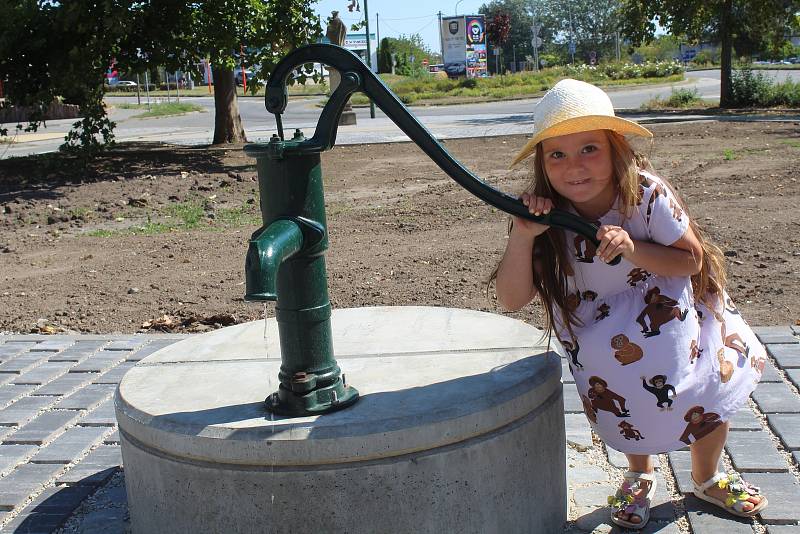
(660, 355)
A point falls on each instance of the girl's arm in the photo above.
(684, 257)
(514, 284)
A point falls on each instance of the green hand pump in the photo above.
(285, 259)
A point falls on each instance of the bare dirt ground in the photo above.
(90, 249)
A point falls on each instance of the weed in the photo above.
(729, 154)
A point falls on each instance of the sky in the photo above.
(398, 17)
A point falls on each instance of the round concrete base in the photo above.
(459, 428)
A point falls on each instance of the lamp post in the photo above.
(456, 10)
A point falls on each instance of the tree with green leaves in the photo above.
(747, 24)
(592, 26)
(518, 42)
(267, 29)
(52, 49)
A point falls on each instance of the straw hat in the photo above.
(572, 106)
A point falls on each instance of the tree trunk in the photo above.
(227, 122)
(726, 55)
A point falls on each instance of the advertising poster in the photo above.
(454, 46)
(475, 30)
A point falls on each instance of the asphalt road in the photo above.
(491, 118)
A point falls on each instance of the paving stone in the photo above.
(114, 376)
(126, 344)
(776, 398)
(770, 374)
(785, 355)
(794, 376)
(52, 345)
(774, 334)
(112, 439)
(580, 471)
(754, 451)
(44, 373)
(151, 348)
(36, 522)
(594, 495)
(11, 455)
(783, 492)
(705, 518)
(783, 529)
(86, 398)
(578, 430)
(79, 352)
(745, 419)
(43, 428)
(58, 499)
(22, 363)
(99, 362)
(16, 487)
(98, 466)
(10, 392)
(566, 376)
(70, 446)
(787, 428)
(26, 408)
(572, 400)
(661, 508)
(103, 415)
(65, 384)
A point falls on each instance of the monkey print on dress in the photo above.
(628, 432)
(701, 423)
(659, 387)
(604, 399)
(625, 351)
(643, 339)
(660, 309)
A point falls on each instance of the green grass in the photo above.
(189, 215)
(729, 154)
(794, 143)
(162, 109)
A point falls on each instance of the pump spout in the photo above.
(269, 248)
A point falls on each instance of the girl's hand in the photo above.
(536, 206)
(614, 241)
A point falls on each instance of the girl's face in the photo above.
(580, 168)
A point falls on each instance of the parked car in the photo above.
(456, 69)
(124, 85)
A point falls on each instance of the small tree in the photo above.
(385, 56)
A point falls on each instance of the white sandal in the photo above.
(739, 492)
(624, 500)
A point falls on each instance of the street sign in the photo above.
(571, 47)
(536, 42)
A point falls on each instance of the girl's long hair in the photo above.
(550, 252)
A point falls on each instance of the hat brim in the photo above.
(582, 124)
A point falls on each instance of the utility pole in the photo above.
(441, 40)
(369, 57)
(378, 32)
(571, 34)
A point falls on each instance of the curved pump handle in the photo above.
(357, 76)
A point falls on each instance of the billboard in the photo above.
(464, 45)
(476, 46)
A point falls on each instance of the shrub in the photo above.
(749, 89)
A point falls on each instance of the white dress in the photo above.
(655, 370)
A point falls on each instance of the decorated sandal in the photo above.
(624, 500)
(739, 492)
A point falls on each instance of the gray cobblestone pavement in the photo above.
(61, 467)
